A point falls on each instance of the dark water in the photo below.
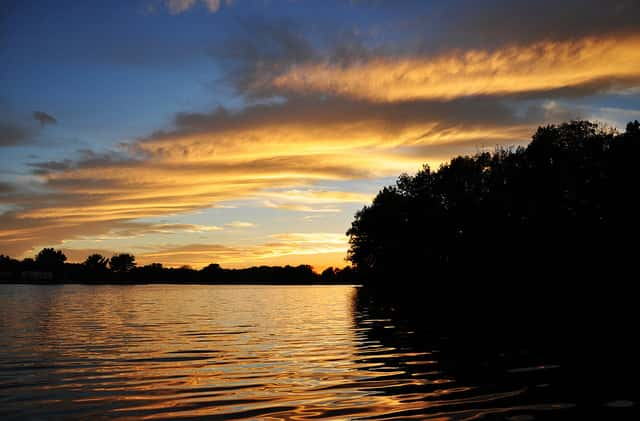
(259, 352)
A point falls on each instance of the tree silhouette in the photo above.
(7, 264)
(122, 268)
(50, 259)
(96, 262)
(328, 275)
(565, 204)
(123, 262)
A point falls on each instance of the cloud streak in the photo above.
(537, 67)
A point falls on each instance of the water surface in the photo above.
(245, 352)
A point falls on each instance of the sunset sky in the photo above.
(248, 132)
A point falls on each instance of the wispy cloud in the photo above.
(300, 208)
(240, 224)
(538, 67)
(126, 230)
(311, 201)
(44, 118)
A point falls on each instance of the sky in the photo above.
(249, 132)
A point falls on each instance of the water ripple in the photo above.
(207, 352)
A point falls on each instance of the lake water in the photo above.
(251, 352)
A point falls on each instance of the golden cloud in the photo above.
(540, 66)
(389, 117)
(214, 158)
(254, 155)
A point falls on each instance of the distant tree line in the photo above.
(50, 266)
(531, 220)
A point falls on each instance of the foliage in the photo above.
(566, 201)
(50, 259)
(123, 262)
(96, 262)
(122, 268)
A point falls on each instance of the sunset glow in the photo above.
(249, 132)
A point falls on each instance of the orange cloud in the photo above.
(248, 155)
(540, 66)
(272, 155)
(389, 117)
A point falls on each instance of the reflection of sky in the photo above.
(114, 73)
(293, 352)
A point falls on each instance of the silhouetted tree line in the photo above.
(550, 226)
(567, 200)
(523, 257)
(49, 266)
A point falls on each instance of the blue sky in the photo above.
(250, 131)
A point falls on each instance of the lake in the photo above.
(258, 352)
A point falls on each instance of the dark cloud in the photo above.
(333, 111)
(45, 167)
(261, 50)
(44, 118)
(87, 158)
(445, 24)
(524, 21)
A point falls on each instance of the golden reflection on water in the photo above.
(237, 352)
